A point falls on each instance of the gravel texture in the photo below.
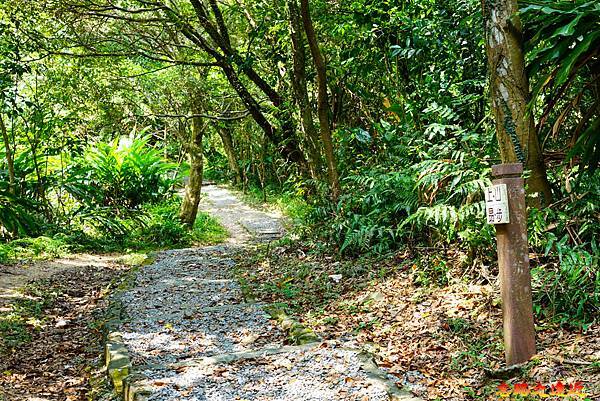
(305, 374)
(192, 337)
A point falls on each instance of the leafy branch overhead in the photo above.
(563, 40)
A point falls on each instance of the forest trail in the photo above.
(243, 223)
(190, 334)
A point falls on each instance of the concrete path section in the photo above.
(188, 334)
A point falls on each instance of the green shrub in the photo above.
(427, 186)
(569, 291)
(162, 227)
(567, 277)
(207, 230)
(124, 173)
(15, 214)
(34, 248)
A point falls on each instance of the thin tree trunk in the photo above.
(9, 157)
(225, 134)
(191, 199)
(298, 82)
(322, 99)
(262, 174)
(517, 138)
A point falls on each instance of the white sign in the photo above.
(496, 204)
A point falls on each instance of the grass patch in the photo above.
(158, 229)
(289, 204)
(133, 259)
(39, 248)
(207, 230)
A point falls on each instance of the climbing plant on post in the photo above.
(509, 89)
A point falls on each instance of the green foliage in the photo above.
(431, 271)
(125, 173)
(563, 43)
(207, 230)
(157, 226)
(567, 279)
(569, 291)
(426, 187)
(288, 200)
(163, 229)
(15, 216)
(34, 248)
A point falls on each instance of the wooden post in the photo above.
(513, 261)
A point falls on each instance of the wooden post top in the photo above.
(507, 170)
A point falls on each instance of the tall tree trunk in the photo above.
(298, 82)
(225, 134)
(322, 99)
(191, 199)
(509, 87)
(9, 157)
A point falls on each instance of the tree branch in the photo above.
(243, 114)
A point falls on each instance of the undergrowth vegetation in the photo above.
(114, 196)
(155, 226)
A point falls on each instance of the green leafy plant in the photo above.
(125, 173)
(15, 215)
(563, 44)
(566, 278)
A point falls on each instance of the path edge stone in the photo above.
(117, 361)
(298, 333)
(374, 373)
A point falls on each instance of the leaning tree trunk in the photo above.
(191, 199)
(298, 82)
(322, 99)
(9, 157)
(225, 134)
(517, 138)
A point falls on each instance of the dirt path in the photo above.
(191, 335)
(14, 277)
(244, 223)
(51, 329)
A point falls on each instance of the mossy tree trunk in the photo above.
(322, 99)
(193, 188)
(509, 89)
(298, 81)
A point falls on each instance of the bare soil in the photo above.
(61, 360)
(13, 277)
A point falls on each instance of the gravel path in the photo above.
(191, 336)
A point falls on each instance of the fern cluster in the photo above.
(426, 186)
